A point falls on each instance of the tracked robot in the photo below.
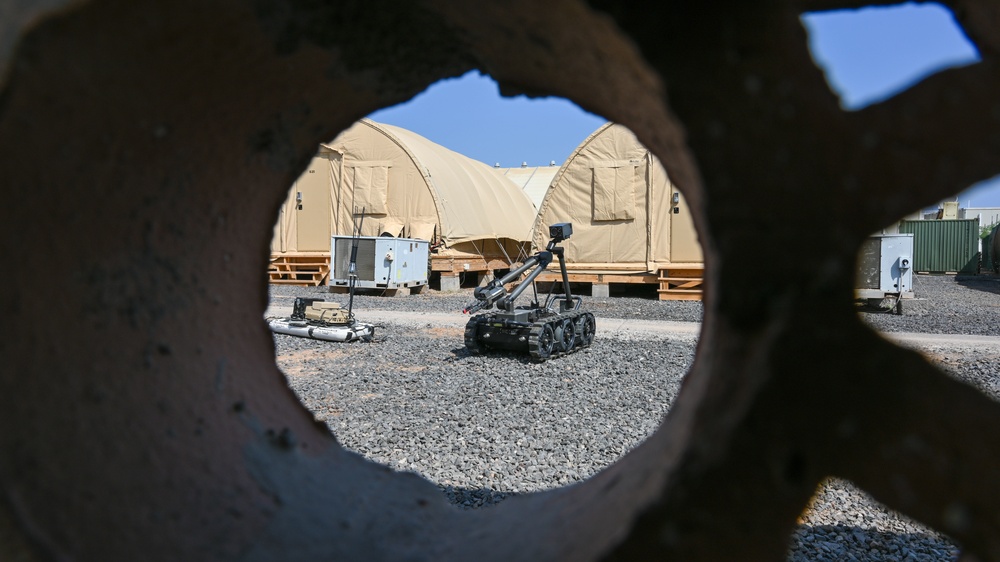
(556, 328)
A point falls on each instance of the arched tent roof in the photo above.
(626, 215)
(534, 180)
(412, 186)
(408, 186)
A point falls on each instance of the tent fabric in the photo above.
(621, 203)
(473, 200)
(534, 180)
(409, 186)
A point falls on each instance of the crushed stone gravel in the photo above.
(484, 428)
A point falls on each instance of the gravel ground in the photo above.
(945, 304)
(486, 427)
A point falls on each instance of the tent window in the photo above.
(370, 186)
(614, 192)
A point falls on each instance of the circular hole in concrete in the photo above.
(483, 427)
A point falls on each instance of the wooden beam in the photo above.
(599, 278)
(453, 264)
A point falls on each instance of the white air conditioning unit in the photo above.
(382, 262)
(885, 267)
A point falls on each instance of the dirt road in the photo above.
(642, 329)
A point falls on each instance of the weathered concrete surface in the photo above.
(147, 146)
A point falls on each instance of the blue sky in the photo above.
(867, 55)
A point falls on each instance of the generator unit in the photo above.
(383, 262)
(885, 270)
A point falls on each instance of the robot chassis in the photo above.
(543, 331)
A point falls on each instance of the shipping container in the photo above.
(991, 251)
(944, 246)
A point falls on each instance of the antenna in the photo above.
(352, 270)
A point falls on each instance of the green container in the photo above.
(944, 246)
(991, 261)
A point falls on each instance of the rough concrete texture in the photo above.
(451, 282)
(147, 147)
(600, 291)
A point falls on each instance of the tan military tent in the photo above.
(627, 217)
(407, 186)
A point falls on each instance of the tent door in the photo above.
(312, 208)
(684, 246)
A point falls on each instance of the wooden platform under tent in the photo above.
(299, 268)
(455, 263)
(674, 282)
(452, 267)
(313, 268)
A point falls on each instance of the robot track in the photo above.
(548, 337)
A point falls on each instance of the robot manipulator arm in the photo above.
(489, 294)
(495, 293)
(486, 296)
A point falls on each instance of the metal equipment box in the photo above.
(382, 262)
(885, 267)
